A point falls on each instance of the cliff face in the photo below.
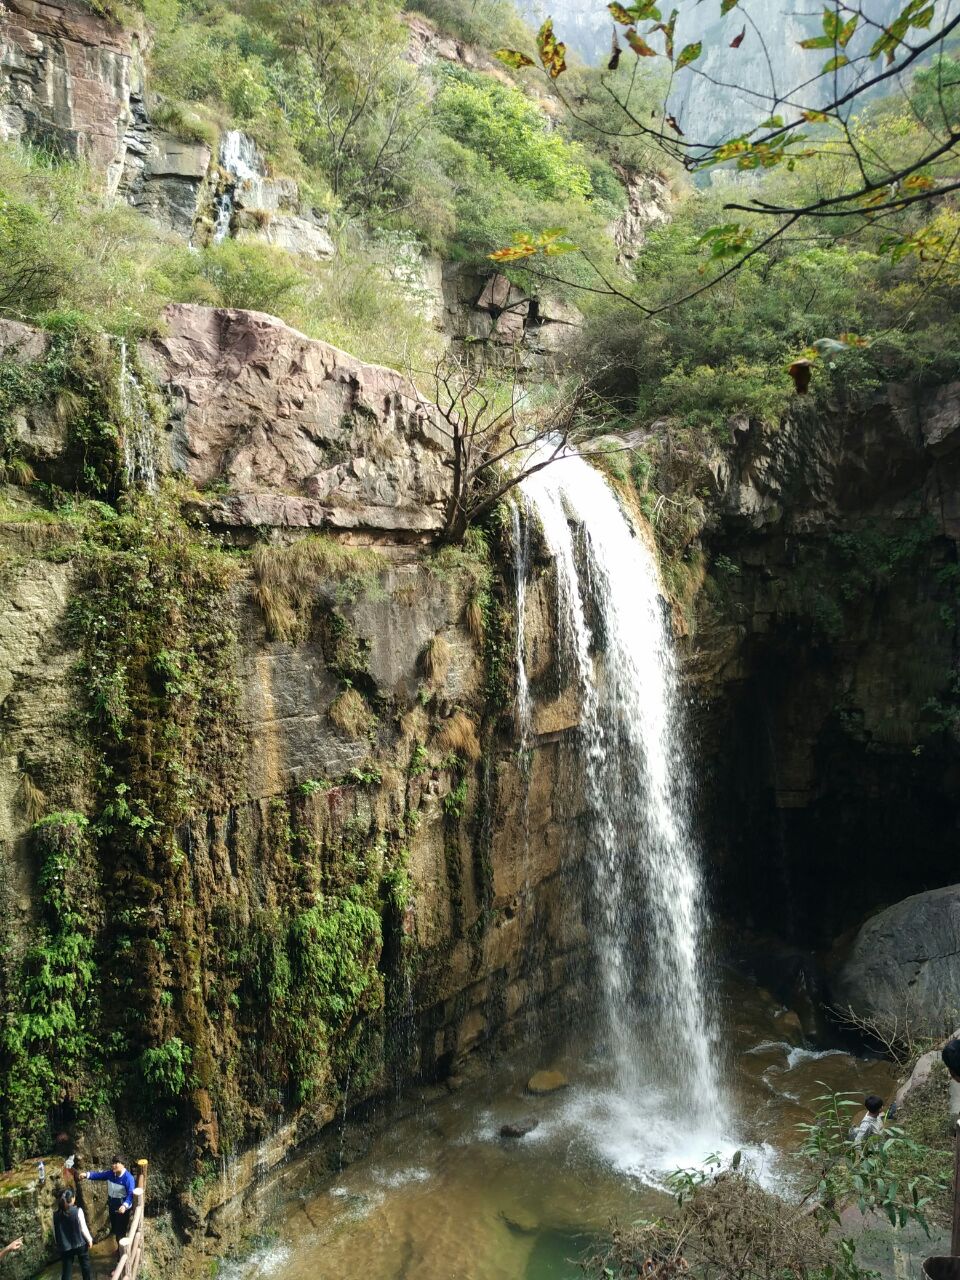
(298, 853)
(826, 657)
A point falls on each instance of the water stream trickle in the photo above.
(520, 531)
(645, 886)
(140, 448)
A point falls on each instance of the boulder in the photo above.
(904, 965)
(547, 1082)
(519, 1129)
(940, 420)
(301, 434)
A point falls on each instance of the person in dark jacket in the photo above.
(120, 1187)
(72, 1235)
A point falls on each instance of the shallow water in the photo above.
(441, 1196)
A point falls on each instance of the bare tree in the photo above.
(877, 181)
(498, 437)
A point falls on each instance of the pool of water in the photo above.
(440, 1195)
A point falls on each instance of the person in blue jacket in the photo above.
(120, 1185)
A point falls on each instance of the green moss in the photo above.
(50, 1035)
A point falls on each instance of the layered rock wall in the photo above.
(826, 657)
(277, 730)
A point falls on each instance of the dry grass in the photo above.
(351, 714)
(459, 735)
(474, 618)
(436, 659)
(286, 577)
(32, 798)
(415, 725)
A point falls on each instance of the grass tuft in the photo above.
(459, 735)
(475, 621)
(351, 714)
(33, 799)
(287, 578)
(436, 659)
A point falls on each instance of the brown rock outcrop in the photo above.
(303, 434)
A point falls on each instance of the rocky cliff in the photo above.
(825, 655)
(262, 798)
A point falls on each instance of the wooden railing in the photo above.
(131, 1246)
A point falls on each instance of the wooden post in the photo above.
(131, 1246)
(955, 1236)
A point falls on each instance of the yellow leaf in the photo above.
(513, 58)
(639, 45)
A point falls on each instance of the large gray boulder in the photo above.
(904, 965)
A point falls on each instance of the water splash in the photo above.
(648, 911)
(140, 449)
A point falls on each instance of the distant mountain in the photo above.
(707, 110)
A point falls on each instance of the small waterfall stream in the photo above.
(241, 162)
(520, 532)
(140, 447)
(644, 876)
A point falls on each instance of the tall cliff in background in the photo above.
(262, 795)
(701, 97)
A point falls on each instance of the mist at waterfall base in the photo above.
(664, 1105)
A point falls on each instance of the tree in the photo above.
(356, 104)
(876, 183)
(497, 437)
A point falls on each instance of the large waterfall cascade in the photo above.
(643, 866)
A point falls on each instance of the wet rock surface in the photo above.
(548, 1081)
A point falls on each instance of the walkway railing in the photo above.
(131, 1246)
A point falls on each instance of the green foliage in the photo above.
(49, 1036)
(729, 1227)
(156, 671)
(166, 1068)
(63, 247)
(175, 118)
(315, 974)
(888, 1173)
(454, 802)
(484, 23)
(501, 125)
(252, 276)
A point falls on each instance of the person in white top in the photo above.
(872, 1122)
(72, 1235)
(13, 1247)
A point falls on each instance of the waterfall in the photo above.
(642, 861)
(241, 162)
(139, 431)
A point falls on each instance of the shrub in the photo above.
(165, 1069)
(503, 126)
(48, 1040)
(252, 276)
